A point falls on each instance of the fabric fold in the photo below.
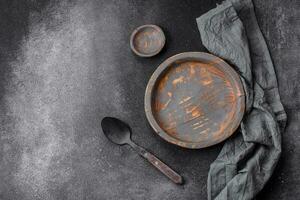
(249, 157)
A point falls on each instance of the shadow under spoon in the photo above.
(119, 133)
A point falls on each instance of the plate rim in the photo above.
(151, 85)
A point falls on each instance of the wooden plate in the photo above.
(194, 100)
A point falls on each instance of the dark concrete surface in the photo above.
(67, 64)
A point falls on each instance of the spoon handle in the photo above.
(165, 169)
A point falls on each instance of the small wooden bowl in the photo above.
(147, 40)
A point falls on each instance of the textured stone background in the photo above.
(66, 64)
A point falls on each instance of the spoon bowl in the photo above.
(116, 130)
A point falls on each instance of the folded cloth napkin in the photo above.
(249, 157)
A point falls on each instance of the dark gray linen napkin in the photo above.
(249, 157)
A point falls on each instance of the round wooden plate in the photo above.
(194, 100)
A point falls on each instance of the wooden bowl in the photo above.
(147, 40)
(194, 100)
